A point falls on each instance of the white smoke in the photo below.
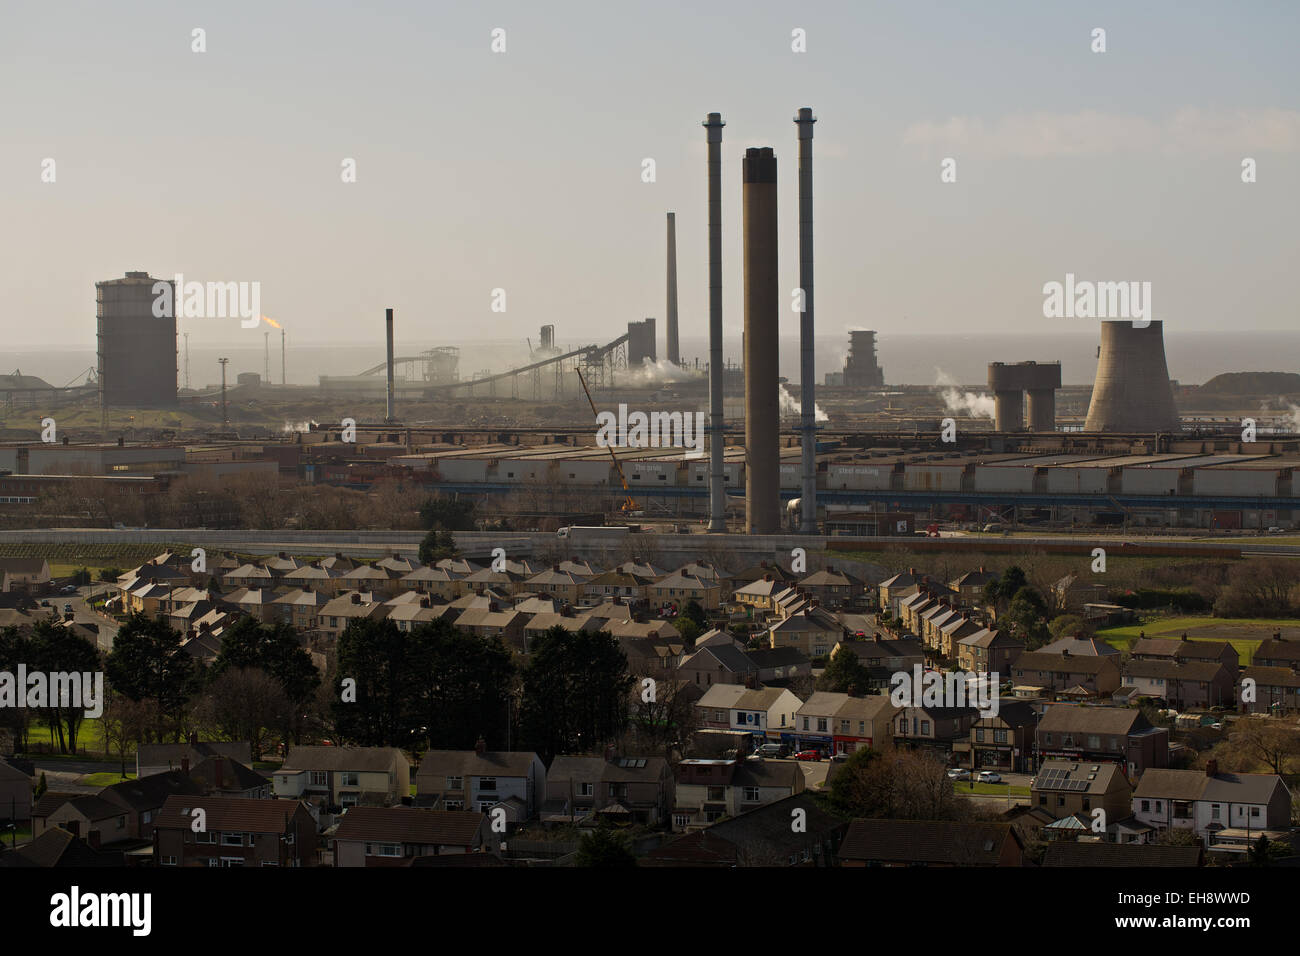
(790, 406)
(973, 404)
(292, 427)
(659, 372)
(1295, 418)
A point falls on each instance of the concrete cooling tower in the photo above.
(1132, 391)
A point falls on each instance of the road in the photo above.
(82, 614)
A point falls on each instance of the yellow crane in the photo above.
(628, 504)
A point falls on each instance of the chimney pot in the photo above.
(480, 746)
(1211, 768)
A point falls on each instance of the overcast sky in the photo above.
(523, 170)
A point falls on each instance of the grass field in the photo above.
(105, 779)
(90, 737)
(1244, 634)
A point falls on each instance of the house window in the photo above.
(205, 836)
(1060, 801)
(925, 728)
(454, 804)
(1146, 806)
(169, 861)
(1214, 811)
(349, 778)
(751, 794)
(586, 789)
(232, 839)
(717, 793)
(1254, 811)
(681, 819)
(387, 849)
(317, 778)
(805, 723)
(487, 784)
(821, 725)
(485, 805)
(121, 823)
(348, 800)
(979, 735)
(999, 736)
(455, 783)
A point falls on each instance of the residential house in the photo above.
(1141, 855)
(29, 575)
(1112, 734)
(621, 789)
(863, 722)
(62, 849)
(442, 583)
(894, 589)
(832, 588)
(339, 612)
(1065, 788)
(495, 621)
(153, 759)
(382, 582)
(395, 836)
(719, 664)
(989, 651)
(759, 837)
(224, 777)
(342, 777)
(1276, 690)
(708, 790)
(617, 584)
(15, 794)
(1065, 673)
(564, 585)
(970, 586)
(479, 779)
(234, 832)
(301, 607)
(1072, 592)
(879, 842)
(765, 712)
(1003, 741)
(680, 588)
(1184, 685)
(778, 664)
(1277, 651)
(1228, 811)
(933, 729)
(812, 630)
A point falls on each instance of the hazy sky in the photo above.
(522, 170)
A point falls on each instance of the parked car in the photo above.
(808, 755)
(840, 757)
(956, 773)
(67, 609)
(988, 776)
(772, 750)
(69, 589)
(46, 604)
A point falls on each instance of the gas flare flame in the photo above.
(271, 322)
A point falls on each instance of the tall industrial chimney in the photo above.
(674, 351)
(1132, 391)
(762, 311)
(717, 492)
(804, 120)
(388, 322)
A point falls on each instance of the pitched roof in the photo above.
(171, 755)
(927, 841)
(765, 831)
(58, 847)
(151, 792)
(238, 814)
(1114, 721)
(1173, 670)
(467, 763)
(1076, 776)
(234, 775)
(1059, 663)
(410, 825)
(364, 759)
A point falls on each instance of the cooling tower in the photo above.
(1132, 391)
(674, 350)
(762, 310)
(717, 490)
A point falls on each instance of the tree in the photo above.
(845, 674)
(1027, 617)
(1270, 742)
(448, 514)
(373, 710)
(56, 649)
(999, 592)
(109, 575)
(1067, 625)
(15, 649)
(575, 692)
(895, 785)
(243, 703)
(148, 664)
(603, 847)
(693, 611)
(81, 577)
(273, 649)
(688, 629)
(438, 544)
(123, 723)
(1261, 587)
(462, 687)
(1178, 836)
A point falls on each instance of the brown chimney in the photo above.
(1065, 654)
(912, 571)
(425, 601)
(356, 598)
(1211, 768)
(480, 746)
(611, 752)
(1184, 637)
(339, 555)
(767, 577)
(185, 766)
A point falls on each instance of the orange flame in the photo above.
(271, 322)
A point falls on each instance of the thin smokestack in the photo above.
(283, 380)
(388, 322)
(717, 493)
(762, 310)
(674, 352)
(807, 374)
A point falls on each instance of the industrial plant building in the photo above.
(137, 349)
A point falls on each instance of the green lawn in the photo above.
(17, 837)
(90, 737)
(105, 779)
(1244, 634)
